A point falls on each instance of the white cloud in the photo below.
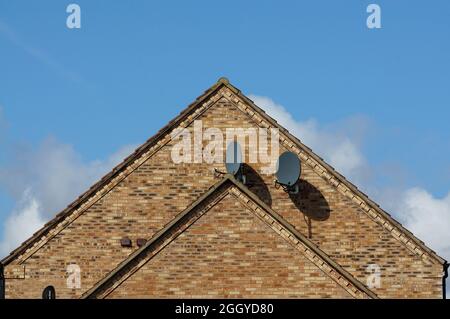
(426, 216)
(338, 144)
(45, 180)
(21, 224)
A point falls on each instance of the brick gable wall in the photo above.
(158, 190)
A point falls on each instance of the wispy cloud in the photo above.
(40, 55)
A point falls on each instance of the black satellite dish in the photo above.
(288, 171)
(233, 161)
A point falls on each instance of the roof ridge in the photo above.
(179, 219)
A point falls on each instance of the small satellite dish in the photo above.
(288, 170)
(233, 160)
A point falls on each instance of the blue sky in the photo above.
(135, 64)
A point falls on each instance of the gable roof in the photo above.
(330, 268)
(306, 154)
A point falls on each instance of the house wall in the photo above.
(158, 190)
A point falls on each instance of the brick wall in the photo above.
(156, 190)
(229, 253)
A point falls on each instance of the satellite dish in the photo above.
(288, 169)
(233, 160)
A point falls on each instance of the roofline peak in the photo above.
(223, 80)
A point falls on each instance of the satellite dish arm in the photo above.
(292, 189)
